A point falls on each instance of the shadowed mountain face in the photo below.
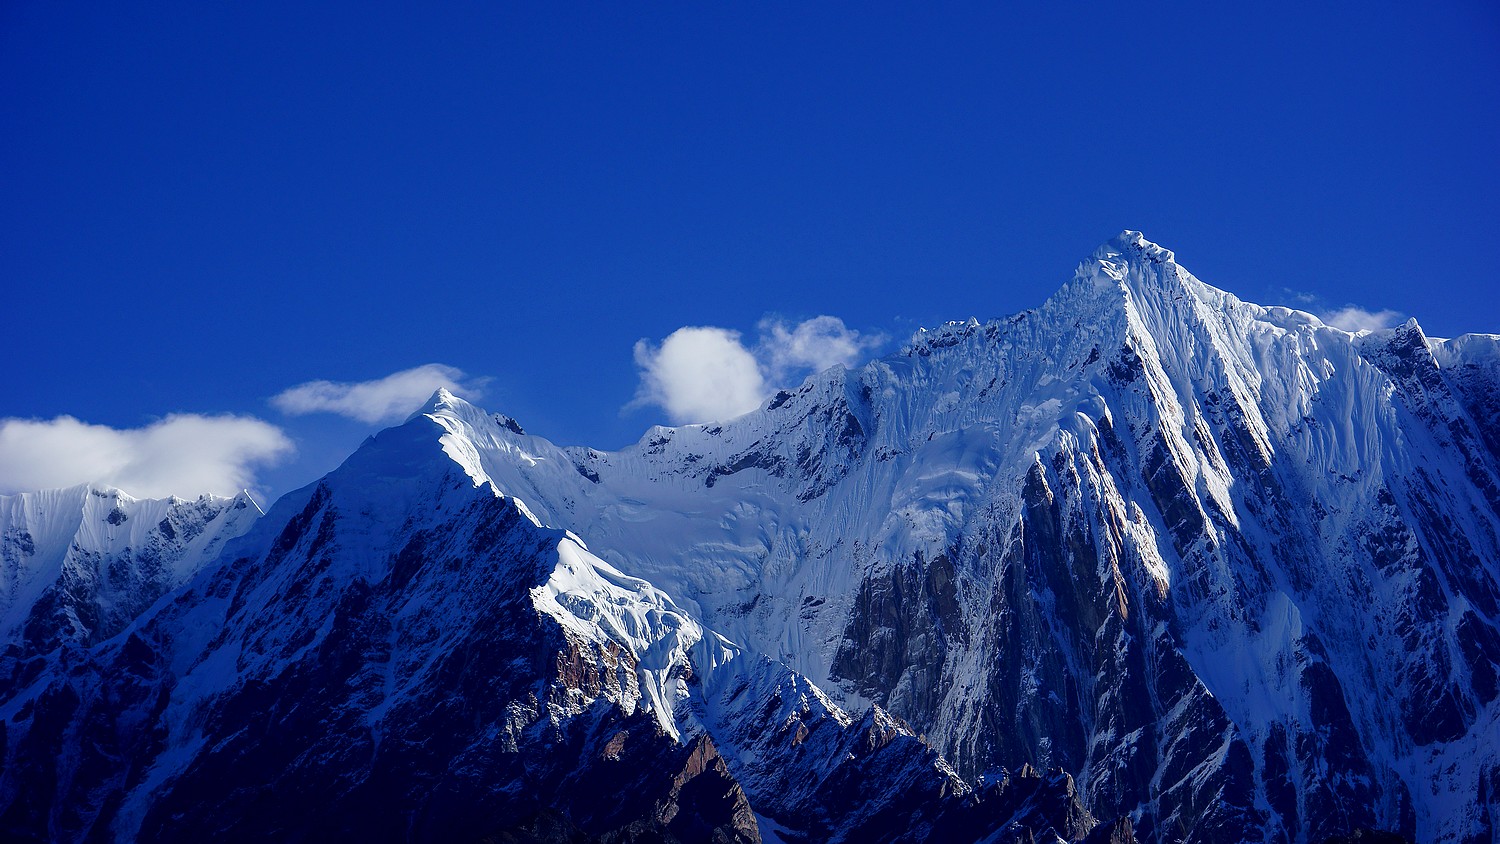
(1224, 572)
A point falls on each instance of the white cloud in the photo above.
(1355, 318)
(699, 374)
(704, 373)
(183, 454)
(388, 399)
(815, 344)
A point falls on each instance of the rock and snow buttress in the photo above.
(1225, 572)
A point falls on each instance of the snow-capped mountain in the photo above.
(1224, 572)
(402, 651)
(1234, 568)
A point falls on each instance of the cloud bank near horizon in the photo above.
(184, 454)
(703, 373)
(388, 399)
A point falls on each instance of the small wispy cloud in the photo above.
(183, 454)
(813, 344)
(1349, 317)
(704, 373)
(1300, 297)
(388, 399)
(1355, 318)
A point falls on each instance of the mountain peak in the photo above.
(1124, 285)
(441, 400)
(1129, 242)
(1145, 274)
(443, 397)
(1129, 259)
(1118, 278)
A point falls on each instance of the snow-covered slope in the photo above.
(1234, 568)
(78, 564)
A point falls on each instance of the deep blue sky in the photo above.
(205, 204)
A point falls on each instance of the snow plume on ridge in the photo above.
(1355, 318)
(704, 373)
(184, 454)
(387, 399)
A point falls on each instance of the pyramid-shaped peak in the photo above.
(1132, 285)
(442, 400)
(1124, 267)
(445, 399)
